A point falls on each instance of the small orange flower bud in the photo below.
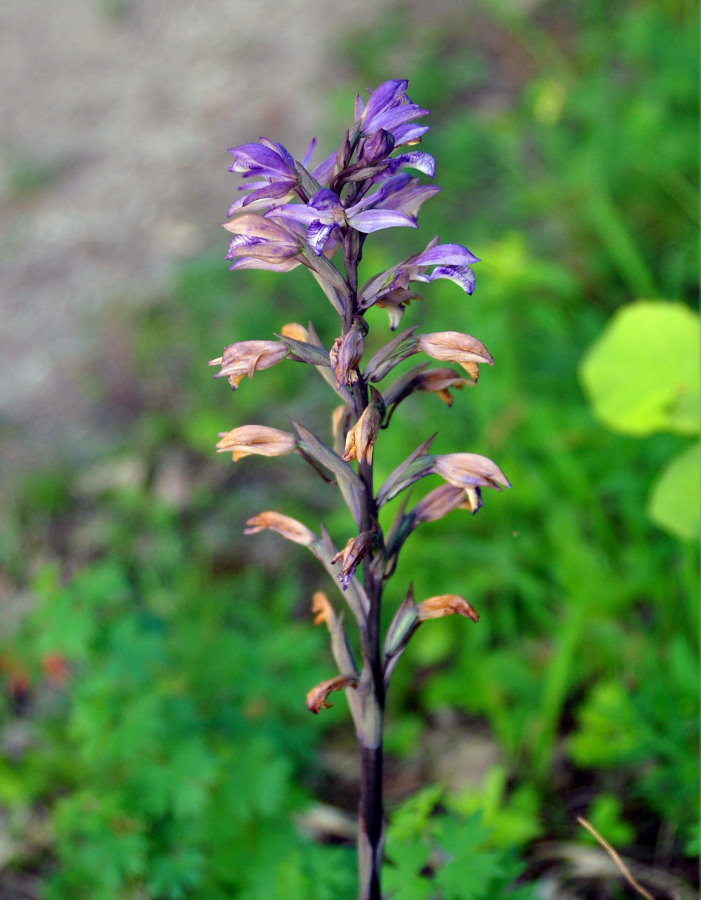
(289, 528)
(295, 331)
(256, 439)
(445, 605)
(318, 697)
(323, 611)
(453, 346)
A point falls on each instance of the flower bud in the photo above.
(256, 439)
(377, 147)
(289, 528)
(318, 697)
(323, 611)
(445, 605)
(296, 331)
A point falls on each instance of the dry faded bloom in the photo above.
(353, 553)
(323, 611)
(438, 503)
(439, 381)
(245, 357)
(445, 605)
(340, 424)
(469, 470)
(256, 439)
(455, 347)
(286, 526)
(295, 331)
(345, 355)
(360, 440)
(318, 697)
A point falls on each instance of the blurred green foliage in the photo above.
(156, 689)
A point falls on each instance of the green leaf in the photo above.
(642, 375)
(674, 500)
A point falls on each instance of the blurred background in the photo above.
(154, 741)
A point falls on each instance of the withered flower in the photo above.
(445, 605)
(245, 357)
(318, 697)
(455, 347)
(256, 439)
(469, 470)
(345, 355)
(352, 555)
(286, 526)
(438, 503)
(440, 381)
(361, 438)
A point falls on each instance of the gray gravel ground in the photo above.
(115, 117)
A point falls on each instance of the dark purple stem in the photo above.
(371, 687)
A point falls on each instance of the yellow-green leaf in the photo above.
(642, 374)
(674, 501)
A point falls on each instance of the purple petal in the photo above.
(318, 234)
(407, 134)
(384, 96)
(461, 275)
(422, 162)
(445, 255)
(375, 219)
(309, 152)
(258, 160)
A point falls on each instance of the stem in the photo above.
(370, 686)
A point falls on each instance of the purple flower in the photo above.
(390, 108)
(324, 215)
(262, 244)
(279, 176)
(447, 260)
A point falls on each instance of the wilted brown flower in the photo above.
(439, 381)
(345, 354)
(453, 346)
(353, 553)
(360, 440)
(445, 605)
(244, 357)
(318, 697)
(286, 526)
(438, 503)
(256, 439)
(395, 302)
(469, 470)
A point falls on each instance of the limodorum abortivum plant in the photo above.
(291, 214)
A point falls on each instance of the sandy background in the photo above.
(115, 120)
